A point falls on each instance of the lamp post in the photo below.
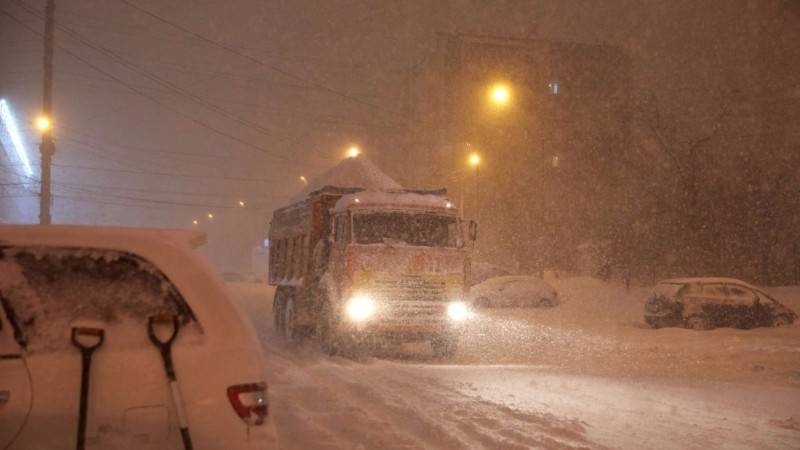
(44, 122)
(474, 161)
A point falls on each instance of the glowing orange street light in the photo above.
(353, 151)
(43, 123)
(500, 94)
(474, 159)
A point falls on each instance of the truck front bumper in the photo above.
(402, 330)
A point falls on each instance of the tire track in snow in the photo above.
(330, 403)
(550, 431)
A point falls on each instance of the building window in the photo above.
(556, 161)
(554, 87)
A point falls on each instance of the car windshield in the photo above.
(667, 290)
(423, 229)
(44, 290)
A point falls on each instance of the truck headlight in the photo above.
(360, 308)
(457, 311)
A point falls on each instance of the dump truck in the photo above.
(356, 267)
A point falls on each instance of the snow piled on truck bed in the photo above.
(358, 172)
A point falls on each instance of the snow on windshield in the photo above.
(425, 230)
(666, 290)
(44, 291)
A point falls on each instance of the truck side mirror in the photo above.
(473, 230)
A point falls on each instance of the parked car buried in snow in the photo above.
(63, 285)
(705, 303)
(513, 291)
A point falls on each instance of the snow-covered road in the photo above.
(402, 402)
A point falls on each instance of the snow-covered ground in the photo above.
(586, 374)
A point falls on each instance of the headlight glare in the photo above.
(457, 311)
(360, 308)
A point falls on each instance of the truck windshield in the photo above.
(426, 230)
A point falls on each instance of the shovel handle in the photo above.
(86, 364)
(151, 332)
(99, 333)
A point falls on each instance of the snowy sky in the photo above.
(166, 111)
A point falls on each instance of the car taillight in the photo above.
(250, 402)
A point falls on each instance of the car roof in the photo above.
(124, 239)
(705, 280)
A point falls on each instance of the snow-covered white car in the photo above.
(482, 271)
(57, 282)
(513, 291)
(704, 303)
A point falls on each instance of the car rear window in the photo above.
(45, 290)
(667, 290)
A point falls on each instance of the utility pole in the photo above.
(48, 146)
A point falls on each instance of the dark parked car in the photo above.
(704, 303)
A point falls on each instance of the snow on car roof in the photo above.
(516, 278)
(358, 172)
(705, 280)
(390, 199)
(84, 236)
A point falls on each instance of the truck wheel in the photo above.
(327, 331)
(697, 323)
(277, 312)
(290, 331)
(444, 346)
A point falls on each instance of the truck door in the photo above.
(15, 388)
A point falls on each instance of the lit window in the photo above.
(555, 160)
(554, 87)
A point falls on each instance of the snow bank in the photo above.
(358, 172)
(514, 290)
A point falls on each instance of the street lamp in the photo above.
(353, 151)
(474, 160)
(500, 94)
(43, 124)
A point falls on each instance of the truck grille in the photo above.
(417, 311)
(409, 288)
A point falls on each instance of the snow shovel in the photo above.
(97, 335)
(165, 347)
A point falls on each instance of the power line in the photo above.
(149, 173)
(235, 51)
(155, 78)
(152, 98)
